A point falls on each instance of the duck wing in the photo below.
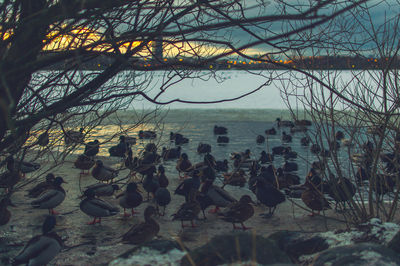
(49, 199)
(98, 208)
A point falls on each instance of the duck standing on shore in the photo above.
(41, 249)
(42, 186)
(130, 199)
(144, 231)
(51, 197)
(102, 172)
(96, 208)
(83, 162)
(268, 195)
(5, 214)
(238, 212)
(189, 210)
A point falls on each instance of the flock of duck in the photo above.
(198, 186)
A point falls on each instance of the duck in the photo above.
(130, 140)
(339, 135)
(314, 199)
(188, 185)
(268, 195)
(147, 134)
(132, 163)
(92, 148)
(289, 154)
(74, 137)
(43, 139)
(284, 123)
(341, 190)
(222, 139)
(219, 197)
(150, 183)
(220, 130)
(298, 128)
(290, 166)
(183, 165)
(222, 166)
(11, 176)
(120, 149)
(130, 199)
(265, 157)
(305, 141)
(241, 155)
(102, 189)
(189, 210)
(162, 178)
(144, 231)
(286, 137)
(237, 178)
(203, 148)
(303, 122)
(260, 139)
(271, 131)
(162, 197)
(83, 163)
(24, 167)
(5, 214)
(52, 197)
(181, 140)
(96, 207)
(278, 150)
(42, 186)
(102, 172)
(173, 136)
(287, 180)
(41, 249)
(315, 148)
(238, 212)
(171, 154)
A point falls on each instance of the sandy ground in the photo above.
(102, 240)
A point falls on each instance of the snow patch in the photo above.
(148, 256)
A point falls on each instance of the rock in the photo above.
(236, 246)
(395, 243)
(359, 254)
(296, 244)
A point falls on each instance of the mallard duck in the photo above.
(42, 186)
(102, 172)
(265, 157)
(96, 208)
(189, 210)
(284, 123)
(5, 214)
(92, 148)
(223, 139)
(145, 231)
(51, 197)
(43, 139)
(260, 139)
(183, 165)
(290, 166)
(286, 137)
(12, 176)
(171, 154)
(84, 163)
(238, 212)
(130, 199)
(187, 185)
(150, 183)
(219, 197)
(220, 130)
(120, 149)
(72, 137)
(147, 134)
(305, 141)
(268, 195)
(173, 136)
(162, 198)
(103, 190)
(162, 178)
(237, 178)
(341, 190)
(203, 148)
(314, 199)
(24, 167)
(271, 131)
(222, 166)
(41, 249)
(289, 154)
